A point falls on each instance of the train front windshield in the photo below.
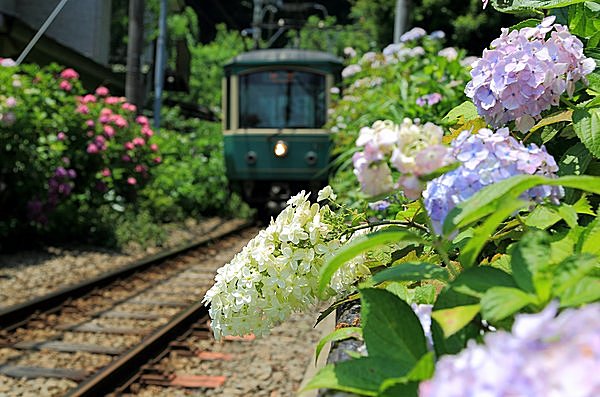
(282, 99)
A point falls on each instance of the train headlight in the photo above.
(280, 149)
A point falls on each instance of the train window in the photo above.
(282, 99)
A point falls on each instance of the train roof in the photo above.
(283, 56)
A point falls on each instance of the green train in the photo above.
(275, 105)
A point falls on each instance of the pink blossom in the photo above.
(140, 168)
(128, 145)
(61, 136)
(90, 133)
(90, 123)
(106, 111)
(109, 131)
(102, 91)
(83, 109)
(65, 85)
(10, 102)
(69, 74)
(129, 107)
(126, 158)
(88, 98)
(111, 100)
(157, 160)
(105, 172)
(137, 141)
(131, 180)
(92, 148)
(147, 131)
(154, 147)
(142, 120)
(119, 120)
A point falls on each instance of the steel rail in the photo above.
(122, 369)
(17, 314)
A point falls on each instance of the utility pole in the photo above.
(133, 79)
(399, 20)
(257, 16)
(159, 63)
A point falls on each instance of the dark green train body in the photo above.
(274, 109)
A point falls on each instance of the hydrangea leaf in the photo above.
(465, 111)
(530, 262)
(518, 6)
(585, 291)
(476, 281)
(483, 203)
(363, 375)
(407, 385)
(363, 244)
(454, 319)
(570, 271)
(481, 234)
(582, 19)
(338, 334)
(587, 127)
(391, 328)
(588, 241)
(565, 115)
(412, 272)
(499, 303)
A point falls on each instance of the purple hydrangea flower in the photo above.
(486, 158)
(543, 356)
(525, 72)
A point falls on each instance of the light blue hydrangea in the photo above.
(543, 356)
(485, 158)
(525, 72)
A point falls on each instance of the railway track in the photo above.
(91, 338)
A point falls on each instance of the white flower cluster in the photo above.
(277, 273)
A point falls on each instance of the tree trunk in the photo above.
(133, 80)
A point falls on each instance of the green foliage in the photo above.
(206, 69)
(326, 35)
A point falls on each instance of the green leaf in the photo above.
(499, 303)
(359, 245)
(481, 234)
(587, 127)
(542, 217)
(585, 291)
(519, 6)
(570, 271)
(477, 280)
(575, 160)
(454, 319)
(363, 375)
(412, 272)
(588, 241)
(558, 117)
(583, 19)
(530, 260)
(582, 206)
(390, 327)
(466, 110)
(527, 23)
(484, 202)
(407, 385)
(338, 334)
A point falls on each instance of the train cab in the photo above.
(275, 105)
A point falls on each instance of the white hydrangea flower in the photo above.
(277, 272)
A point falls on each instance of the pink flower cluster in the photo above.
(67, 76)
(412, 149)
(525, 72)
